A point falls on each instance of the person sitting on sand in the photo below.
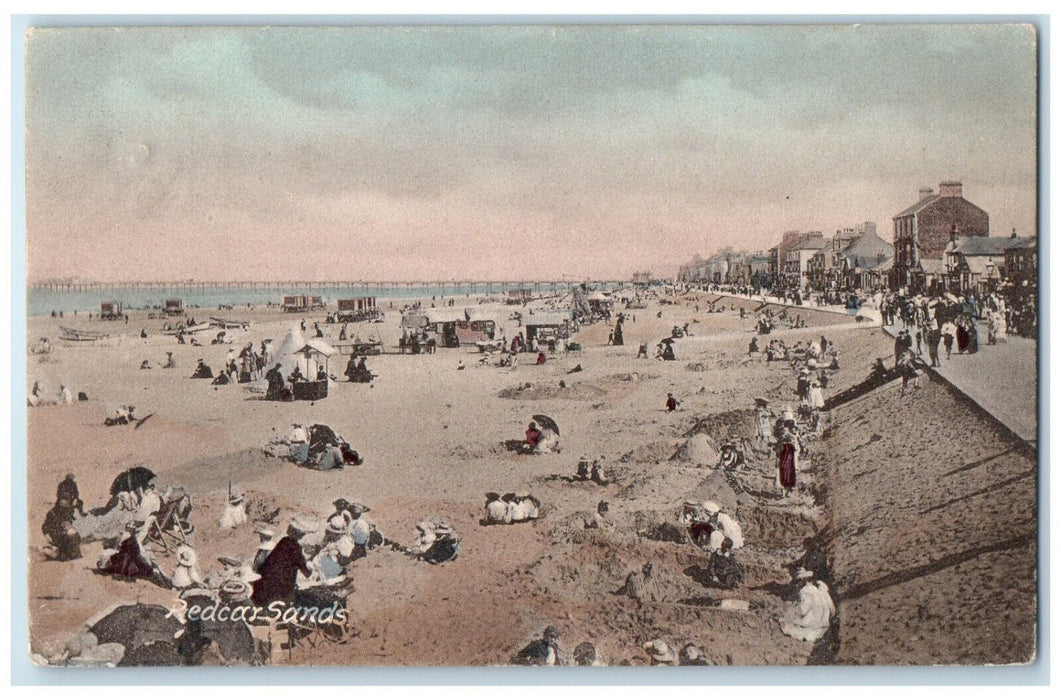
(59, 529)
(170, 362)
(723, 527)
(202, 371)
(280, 569)
(672, 403)
(186, 574)
(641, 586)
(600, 519)
(723, 567)
(532, 437)
(130, 561)
(276, 383)
(541, 652)
(496, 510)
(808, 618)
(731, 458)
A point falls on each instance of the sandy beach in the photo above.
(926, 509)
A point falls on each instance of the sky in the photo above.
(503, 152)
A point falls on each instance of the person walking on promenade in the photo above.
(933, 337)
(948, 330)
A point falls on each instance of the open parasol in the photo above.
(132, 479)
(136, 625)
(547, 423)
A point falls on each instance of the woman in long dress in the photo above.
(787, 457)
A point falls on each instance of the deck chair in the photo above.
(312, 633)
(170, 528)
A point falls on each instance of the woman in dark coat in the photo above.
(962, 336)
(129, 561)
(279, 571)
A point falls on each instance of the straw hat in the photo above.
(265, 532)
(358, 508)
(186, 556)
(234, 589)
(425, 526)
(660, 651)
(336, 526)
(301, 526)
(443, 529)
(230, 561)
(760, 401)
(711, 507)
(235, 499)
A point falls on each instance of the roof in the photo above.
(988, 245)
(317, 345)
(547, 318)
(980, 266)
(917, 207)
(446, 314)
(884, 266)
(811, 244)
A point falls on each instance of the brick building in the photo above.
(922, 231)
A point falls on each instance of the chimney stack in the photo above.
(924, 192)
(950, 188)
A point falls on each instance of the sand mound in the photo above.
(699, 450)
(214, 474)
(739, 423)
(535, 392)
(715, 488)
(654, 452)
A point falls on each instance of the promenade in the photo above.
(1002, 379)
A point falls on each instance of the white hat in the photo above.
(660, 651)
(302, 526)
(186, 556)
(264, 531)
(337, 525)
(803, 573)
(711, 507)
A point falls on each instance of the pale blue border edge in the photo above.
(24, 673)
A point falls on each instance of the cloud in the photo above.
(608, 145)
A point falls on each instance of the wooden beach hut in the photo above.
(110, 310)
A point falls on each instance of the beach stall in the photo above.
(547, 325)
(173, 307)
(110, 310)
(313, 358)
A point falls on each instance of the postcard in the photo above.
(532, 344)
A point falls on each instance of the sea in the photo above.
(43, 300)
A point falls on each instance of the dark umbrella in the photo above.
(668, 340)
(132, 479)
(547, 423)
(234, 640)
(136, 625)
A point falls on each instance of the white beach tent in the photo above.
(287, 354)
